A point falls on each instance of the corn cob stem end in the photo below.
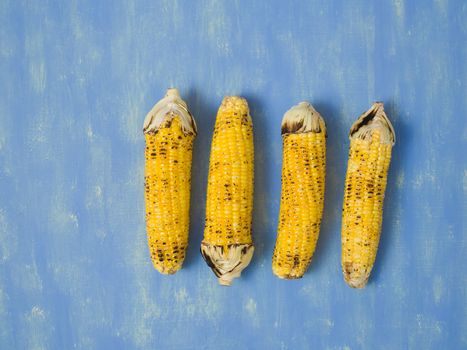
(355, 277)
(289, 276)
(373, 119)
(170, 107)
(227, 262)
(167, 271)
(302, 118)
(234, 102)
(287, 272)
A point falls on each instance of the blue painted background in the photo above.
(77, 78)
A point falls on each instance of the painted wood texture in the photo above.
(77, 80)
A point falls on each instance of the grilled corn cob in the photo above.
(371, 139)
(169, 130)
(302, 198)
(227, 246)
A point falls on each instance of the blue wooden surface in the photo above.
(79, 76)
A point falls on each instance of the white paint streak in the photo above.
(3, 303)
(313, 293)
(320, 325)
(296, 61)
(131, 117)
(5, 317)
(250, 310)
(40, 134)
(37, 329)
(218, 25)
(74, 219)
(26, 278)
(89, 133)
(400, 9)
(261, 54)
(400, 179)
(98, 172)
(424, 332)
(8, 239)
(75, 22)
(184, 306)
(41, 129)
(2, 139)
(181, 295)
(8, 45)
(143, 311)
(34, 47)
(370, 37)
(233, 82)
(142, 308)
(423, 178)
(38, 312)
(438, 288)
(62, 220)
(442, 6)
(210, 303)
(98, 193)
(38, 75)
(250, 306)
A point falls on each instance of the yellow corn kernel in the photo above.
(169, 130)
(227, 246)
(302, 198)
(371, 139)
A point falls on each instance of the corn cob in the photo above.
(371, 139)
(227, 246)
(169, 130)
(302, 198)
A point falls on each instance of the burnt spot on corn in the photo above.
(302, 118)
(348, 269)
(210, 263)
(374, 119)
(296, 261)
(227, 262)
